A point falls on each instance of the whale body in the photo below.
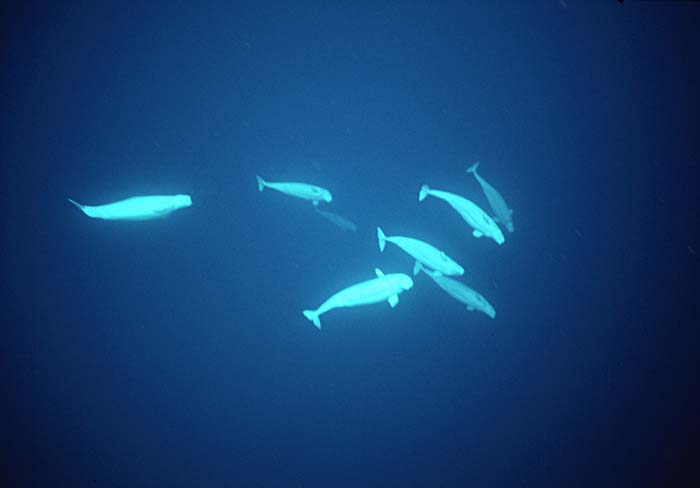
(338, 220)
(504, 215)
(479, 220)
(383, 287)
(459, 291)
(136, 208)
(423, 253)
(299, 190)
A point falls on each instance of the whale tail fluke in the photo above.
(261, 183)
(424, 191)
(312, 315)
(81, 207)
(381, 238)
(473, 167)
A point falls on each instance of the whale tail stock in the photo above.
(261, 183)
(312, 315)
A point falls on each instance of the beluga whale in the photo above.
(300, 190)
(503, 214)
(459, 291)
(383, 287)
(423, 253)
(338, 220)
(136, 208)
(479, 220)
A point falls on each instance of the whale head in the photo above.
(404, 281)
(182, 201)
(497, 235)
(450, 266)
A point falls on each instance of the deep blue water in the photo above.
(174, 352)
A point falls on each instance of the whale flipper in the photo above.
(477, 233)
(393, 300)
(381, 238)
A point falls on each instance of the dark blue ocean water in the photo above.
(174, 352)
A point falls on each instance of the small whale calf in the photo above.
(338, 220)
(136, 208)
(423, 253)
(383, 287)
(300, 190)
(471, 298)
(503, 214)
(479, 220)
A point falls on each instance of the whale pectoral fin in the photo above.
(315, 202)
(378, 272)
(477, 233)
(496, 219)
(393, 300)
(470, 308)
(416, 268)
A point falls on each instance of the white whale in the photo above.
(136, 208)
(479, 220)
(383, 287)
(299, 190)
(338, 220)
(504, 215)
(471, 298)
(422, 252)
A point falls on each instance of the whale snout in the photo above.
(406, 282)
(184, 201)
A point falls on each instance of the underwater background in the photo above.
(174, 352)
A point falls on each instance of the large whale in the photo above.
(423, 253)
(471, 298)
(383, 287)
(299, 190)
(479, 220)
(504, 215)
(136, 208)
